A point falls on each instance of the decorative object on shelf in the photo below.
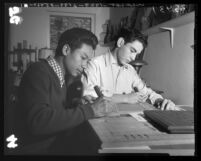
(20, 58)
(133, 17)
(161, 14)
(179, 10)
(145, 19)
(164, 13)
(108, 32)
(173, 23)
(104, 33)
(112, 30)
(61, 21)
(171, 30)
(17, 79)
(124, 22)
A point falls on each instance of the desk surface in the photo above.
(126, 134)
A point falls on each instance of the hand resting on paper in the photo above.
(103, 106)
(166, 104)
(131, 98)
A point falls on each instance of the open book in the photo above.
(125, 108)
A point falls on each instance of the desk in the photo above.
(126, 134)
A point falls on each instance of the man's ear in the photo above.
(120, 42)
(66, 50)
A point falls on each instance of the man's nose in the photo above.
(133, 57)
(84, 64)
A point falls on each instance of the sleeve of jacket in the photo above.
(41, 117)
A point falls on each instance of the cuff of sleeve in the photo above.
(90, 92)
(87, 111)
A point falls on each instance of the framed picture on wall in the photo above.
(61, 21)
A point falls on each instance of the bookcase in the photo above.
(20, 58)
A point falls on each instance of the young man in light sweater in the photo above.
(117, 78)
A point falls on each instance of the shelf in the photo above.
(166, 26)
(176, 22)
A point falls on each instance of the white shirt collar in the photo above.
(109, 59)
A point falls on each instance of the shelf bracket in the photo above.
(171, 30)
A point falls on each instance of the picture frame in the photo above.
(61, 21)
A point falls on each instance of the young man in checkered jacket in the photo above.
(43, 116)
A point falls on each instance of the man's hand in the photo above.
(103, 106)
(136, 97)
(165, 104)
(106, 92)
(88, 99)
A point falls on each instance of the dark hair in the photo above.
(130, 36)
(75, 37)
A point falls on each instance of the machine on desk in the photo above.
(175, 122)
(125, 134)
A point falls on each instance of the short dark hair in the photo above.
(131, 35)
(75, 37)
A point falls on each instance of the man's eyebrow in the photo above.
(133, 48)
(85, 55)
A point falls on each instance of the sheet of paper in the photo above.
(134, 147)
(179, 108)
(139, 116)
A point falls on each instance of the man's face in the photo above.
(128, 52)
(76, 61)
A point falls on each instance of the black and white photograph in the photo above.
(99, 79)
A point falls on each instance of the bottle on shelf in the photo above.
(15, 57)
(24, 55)
(108, 33)
(11, 60)
(32, 56)
(36, 55)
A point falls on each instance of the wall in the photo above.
(35, 26)
(117, 13)
(171, 69)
